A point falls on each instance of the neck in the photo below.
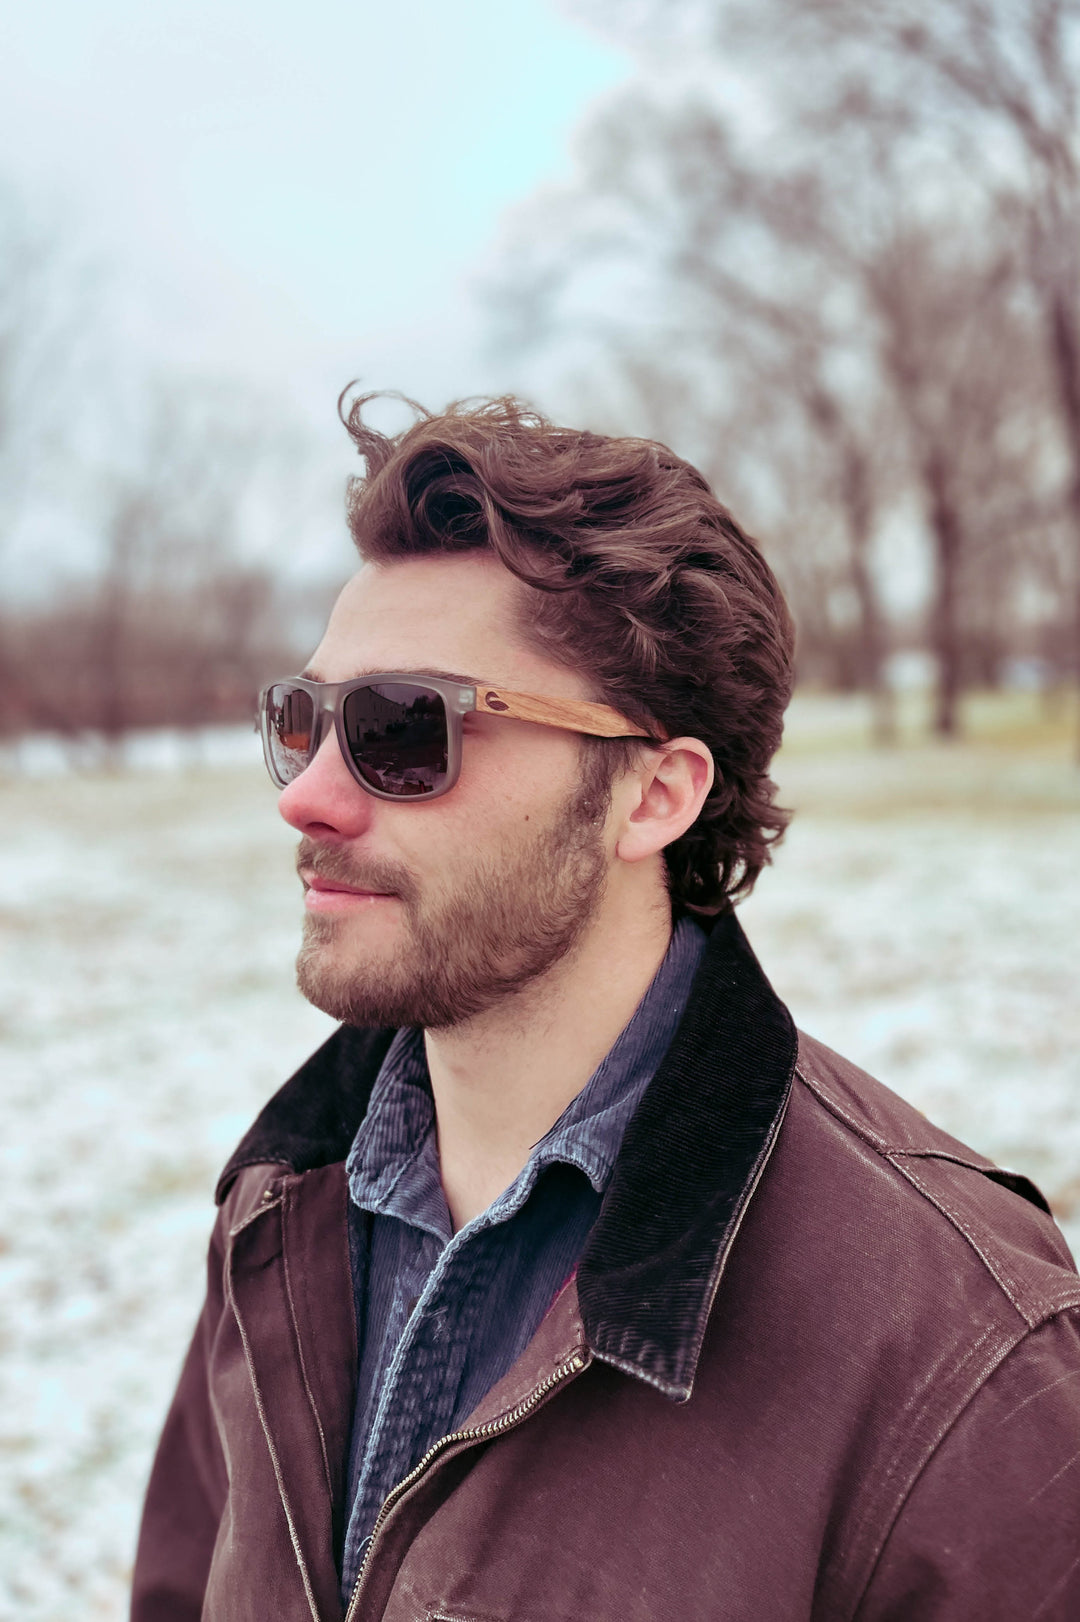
(502, 1079)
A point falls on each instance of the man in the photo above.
(566, 1281)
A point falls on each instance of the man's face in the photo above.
(428, 914)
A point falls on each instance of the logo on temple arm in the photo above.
(494, 702)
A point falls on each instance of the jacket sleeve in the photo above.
(188, 1483)
(991, 1527)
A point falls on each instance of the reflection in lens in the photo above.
(291, 715)
(397, 736)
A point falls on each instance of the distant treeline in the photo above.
(111, 661)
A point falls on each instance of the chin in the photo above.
(335, 993)
(345, 982)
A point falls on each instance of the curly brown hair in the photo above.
(640, 579)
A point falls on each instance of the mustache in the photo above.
(339, 867)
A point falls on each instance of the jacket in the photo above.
(819, 1361)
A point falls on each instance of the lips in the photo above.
(313, 881)
(336, 879)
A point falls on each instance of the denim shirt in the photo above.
(441, 1316)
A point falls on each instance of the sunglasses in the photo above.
(400, 735)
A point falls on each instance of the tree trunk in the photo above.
(1065, 351)
(109, 634)
(944, 620)
(859, 515)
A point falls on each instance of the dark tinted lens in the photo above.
(397, 737)
(290, 715)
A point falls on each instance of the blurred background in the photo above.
(827, 249)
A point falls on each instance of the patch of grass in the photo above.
(1029, 723)
(1015, 757)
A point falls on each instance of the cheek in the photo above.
(513, 795)
(511, 775)
(540, 768)
(484, 819)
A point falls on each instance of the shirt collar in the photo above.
(393, 1166)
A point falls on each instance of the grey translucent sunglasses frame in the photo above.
(328, 698)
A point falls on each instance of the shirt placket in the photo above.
(420, 1392)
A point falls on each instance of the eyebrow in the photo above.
(425, 670)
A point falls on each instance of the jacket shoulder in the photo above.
(998, 1217)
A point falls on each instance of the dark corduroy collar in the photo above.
(690, 1159)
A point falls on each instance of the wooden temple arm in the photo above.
(573, 714)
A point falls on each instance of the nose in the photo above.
(325, 801)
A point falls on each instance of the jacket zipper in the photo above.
(573, 1365)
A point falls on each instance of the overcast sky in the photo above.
(295, 192)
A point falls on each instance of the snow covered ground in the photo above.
(921, 917)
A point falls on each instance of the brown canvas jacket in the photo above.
(820, 1361)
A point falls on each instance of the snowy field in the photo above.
(921, 917)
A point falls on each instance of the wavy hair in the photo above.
(640, 579)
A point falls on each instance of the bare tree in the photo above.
(841, 261)
(983, 95)
(1003, 76)
(184, 613)
(750, 289)
(42, 295)
(46, 296)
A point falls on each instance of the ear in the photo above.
(665, 796)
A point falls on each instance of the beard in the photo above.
(509, 921)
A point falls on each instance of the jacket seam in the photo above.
(440, 1613)
(836, 1108)
(941, 1430)
(1007, 1350)
(253, 1216)
(969, 1162)
(1027, 1309)
(1037, 1309)
(886, 1146)
(877, 1546)
(272, 1450)
(286, 1205)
